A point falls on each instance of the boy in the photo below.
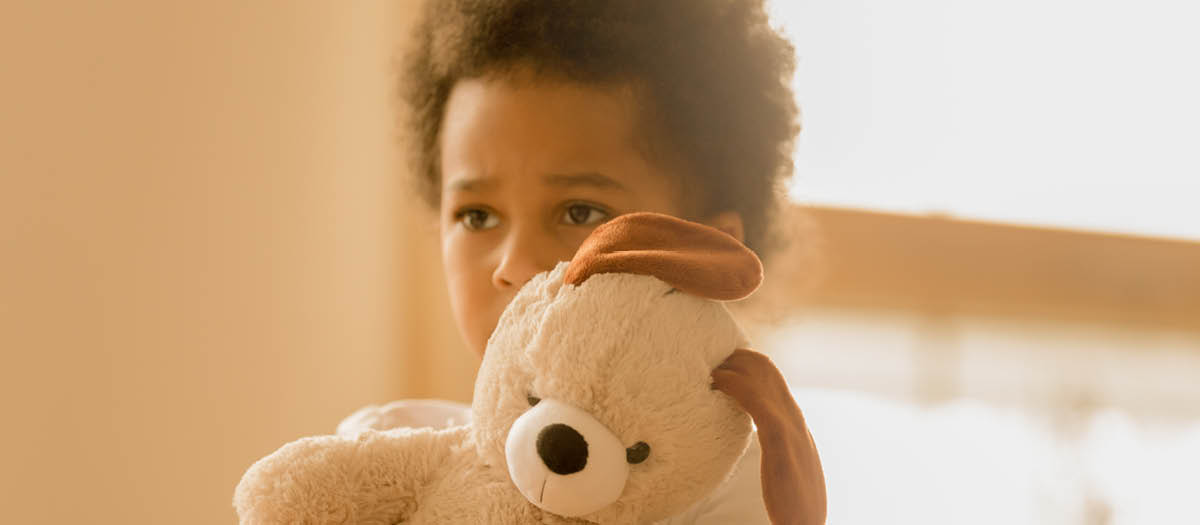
(536, 120)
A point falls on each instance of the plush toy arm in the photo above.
(371, 478)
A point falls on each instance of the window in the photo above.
(1063, 112)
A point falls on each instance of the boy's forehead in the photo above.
(553, 127)
(545, 109)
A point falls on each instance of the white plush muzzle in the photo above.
(565, 461)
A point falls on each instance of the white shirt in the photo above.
(737, 500)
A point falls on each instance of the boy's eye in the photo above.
(475, 219)
(584, 214)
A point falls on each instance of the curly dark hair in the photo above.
(712, 80)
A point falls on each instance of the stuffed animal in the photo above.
(593, 404)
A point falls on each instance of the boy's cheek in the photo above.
(461, 288)
(476, 304)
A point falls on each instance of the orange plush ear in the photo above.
(693, 258)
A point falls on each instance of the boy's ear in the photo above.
(729, 222)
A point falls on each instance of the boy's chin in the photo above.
(477, 343)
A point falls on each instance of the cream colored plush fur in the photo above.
(624, 348)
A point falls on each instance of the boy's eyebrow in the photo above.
(592, 179)
(565, 180)
(472, 184)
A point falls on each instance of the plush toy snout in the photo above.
(565, 461)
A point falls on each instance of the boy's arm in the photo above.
(792, 480)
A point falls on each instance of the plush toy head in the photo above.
(594, 399)
(595, 389)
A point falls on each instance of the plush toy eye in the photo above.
(532, 400)
(637, 453)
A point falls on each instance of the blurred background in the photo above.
(207, 249)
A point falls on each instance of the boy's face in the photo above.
(529, 168)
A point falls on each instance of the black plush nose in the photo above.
(562, 449)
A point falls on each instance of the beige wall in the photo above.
(205, 249)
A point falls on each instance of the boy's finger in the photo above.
(737, 358)
(731, 383)
(721, 379)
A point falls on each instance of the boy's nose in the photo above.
(521, 260)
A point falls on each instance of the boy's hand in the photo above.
(792, 479)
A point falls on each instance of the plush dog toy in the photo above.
(593, 403)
